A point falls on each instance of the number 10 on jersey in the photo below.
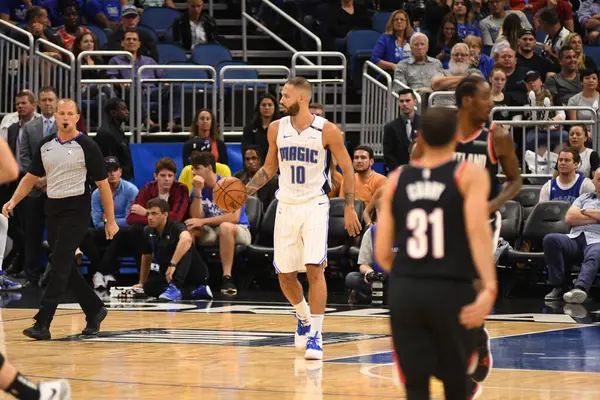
(298, 174)
(420, 222)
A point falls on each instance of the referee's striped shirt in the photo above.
(68, 165)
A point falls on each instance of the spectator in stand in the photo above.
(145, 4)
(265, 112)
(317, 109)
(131, 43)
(563, 9)
(71, 27)
(528, 59)
(490, 26)
(566, 83)
(498, 82)
(466, 22)
(435, 11)
(38, 25)
(588, 97)
(509, 35)
(15, 11)
(343, 17)
(459, 67)
(446, 39)
(515, 76)
(367, 180)
(103, 253)
(590, 161)
(393, 46)
(569, 184)
(204, 127)
(164, 187)
(582, 243)
(209, 224)
(55, 9)
(556, 35)
(194, 27)
(187, 174)
(12, 118)
(575, 41)
(401, 132)
(87, 41)
(253, 161)
(112, 140)
(482, 62)
(417, 71)
(589, 18)
(104, 13)
(130, 19)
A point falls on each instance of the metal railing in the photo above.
(177, 91)
(232, 119)
(325, 91)
(445, 98)
(247, 17)
(52, 71)
(93, 88)
(16, 65)
(377, 106)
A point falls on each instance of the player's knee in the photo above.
(287, 279)
(314, 273)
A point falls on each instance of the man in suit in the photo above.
(399, 134)
(194, 27)
(33, 204)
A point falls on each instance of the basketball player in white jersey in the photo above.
(299, 146)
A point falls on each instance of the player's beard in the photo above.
(293, 110)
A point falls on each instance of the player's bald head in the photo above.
(302, 86)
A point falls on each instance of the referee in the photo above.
(67, 159)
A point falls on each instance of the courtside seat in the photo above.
(261, 249)
(529, 196)
(512, 221)
(339, 241)
(353, 253)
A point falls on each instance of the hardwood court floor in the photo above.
(221, 353)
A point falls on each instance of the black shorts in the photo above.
(428, 337)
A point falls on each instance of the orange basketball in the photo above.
(229, 194)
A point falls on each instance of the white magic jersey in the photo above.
(303, 162)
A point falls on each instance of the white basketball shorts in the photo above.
(300, 236)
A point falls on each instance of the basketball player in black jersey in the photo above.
(436, 211)
(485, 146)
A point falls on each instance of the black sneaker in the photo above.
(93, 324)
(39, 331)
(485, 357)
(227, 286)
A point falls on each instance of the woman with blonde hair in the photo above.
(575, 41)
(393, 45)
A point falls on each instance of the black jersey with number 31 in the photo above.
(430, 226)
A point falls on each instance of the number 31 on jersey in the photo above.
(418, 245)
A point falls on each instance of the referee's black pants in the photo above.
(428, 337)
(67, 221)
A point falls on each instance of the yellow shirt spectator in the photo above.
(187, 176)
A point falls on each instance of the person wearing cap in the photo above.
(130, 19)
(556, 34)
(110, 136)
(187, 175)
(528, 59)
(103, 13)
(103, 253)
(194, 27)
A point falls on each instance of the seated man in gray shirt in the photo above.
(491, 25)
(458, 68)
(417, 71)
(566, 83)
(582, 244)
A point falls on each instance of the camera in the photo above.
(374, 276)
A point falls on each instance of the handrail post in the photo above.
(244, 32)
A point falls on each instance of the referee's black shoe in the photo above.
(39, 331)
(93, 324)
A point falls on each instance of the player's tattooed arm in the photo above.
(258, 180)
(349, 197)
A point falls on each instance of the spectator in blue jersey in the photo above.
(104, 13)
(359, 283)
(14, 11)
(581, 245)
(394, 44)
(466, 22)
(569, 184)
(209, 224)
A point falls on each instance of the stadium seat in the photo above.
(359, 46)
(237, 74)
(380, 20)
(210, 54)
(150, 31)
(99, 32)
(168, 53)
(159, 18)
(188, 74)
(594, 52)
(353, 253)
(512, 221)
(262, 248)
(338, 239)
(529, 196)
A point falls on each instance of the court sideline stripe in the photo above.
(26, 318)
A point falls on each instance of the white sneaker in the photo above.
(55, 390)
(98, 281)
(314, 347)
(109, 281)
(301, 334)
(575, 296)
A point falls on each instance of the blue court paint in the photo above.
(573, 350)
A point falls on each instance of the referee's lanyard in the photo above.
(155, 266)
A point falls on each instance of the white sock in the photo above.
(316, 325)
(3, 237)
(303, 310)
